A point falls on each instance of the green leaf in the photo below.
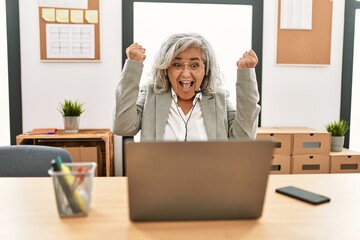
(338, 128)
(71, 108)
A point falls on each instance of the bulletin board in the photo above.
(307, 46)
(69, 31)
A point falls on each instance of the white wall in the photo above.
(292, 96)
(301, 95)
(4, 86)
(44, 85)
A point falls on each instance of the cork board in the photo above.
(307, 46)
(70, 34)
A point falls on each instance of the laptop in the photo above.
(197, 180)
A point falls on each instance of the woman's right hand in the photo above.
(136, 52)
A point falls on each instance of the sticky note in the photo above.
(77, 16)
(48, 14)
(62, 15)
(91, 16)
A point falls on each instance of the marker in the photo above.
(65, 187)
(69, 181)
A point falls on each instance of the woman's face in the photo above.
(186, 73)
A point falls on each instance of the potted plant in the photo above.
(337, 129)
(71, 111)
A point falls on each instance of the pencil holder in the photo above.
(73, 188)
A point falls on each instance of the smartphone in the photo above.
(303, 195)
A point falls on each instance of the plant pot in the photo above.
(71, 124)
(337, 143)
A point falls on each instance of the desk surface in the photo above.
(28, 210)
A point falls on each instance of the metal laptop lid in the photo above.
(197, 180)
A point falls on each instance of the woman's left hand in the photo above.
(248, 60)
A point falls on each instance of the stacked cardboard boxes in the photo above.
(282, 148)
(309, 149)
(346, 161)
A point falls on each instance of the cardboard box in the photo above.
(346, 161)
(87, 154)
(282, 140)
(309, 141)
(302, 164)
(281, 164)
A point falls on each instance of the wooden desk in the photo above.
(87, 137)
(28, 211)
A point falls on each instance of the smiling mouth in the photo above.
(186, 85)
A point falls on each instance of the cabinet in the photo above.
(101, 138)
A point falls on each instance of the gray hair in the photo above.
(173, 46)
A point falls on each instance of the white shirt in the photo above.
(178, 122)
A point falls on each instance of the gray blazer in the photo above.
(142, 109)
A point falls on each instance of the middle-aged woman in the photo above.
(183, 101)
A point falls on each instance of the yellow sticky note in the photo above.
(48, 14)
(77, 16)
(62, 15)
(91, 16)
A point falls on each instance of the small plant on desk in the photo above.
(71, 111)
(337, 129)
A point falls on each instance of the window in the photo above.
(232, 27)
(350, 98)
